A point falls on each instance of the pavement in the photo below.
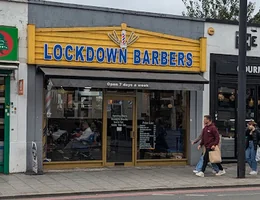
(119, 179)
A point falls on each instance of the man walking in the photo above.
(200, 163)
(210, 139)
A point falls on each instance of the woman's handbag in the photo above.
(257, 157)
(215, 155)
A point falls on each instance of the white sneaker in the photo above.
(195, 171)
(214, 172)
(253, 173)
(220, 173)
(200, 174)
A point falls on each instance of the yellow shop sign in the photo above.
(114, 47)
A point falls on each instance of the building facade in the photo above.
(13, 86)
(220, 95)
(112, 87)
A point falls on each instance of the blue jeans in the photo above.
(250, 156)
(200, 164)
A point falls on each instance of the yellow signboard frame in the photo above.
(118, 47)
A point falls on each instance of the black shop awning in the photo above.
(123, 79)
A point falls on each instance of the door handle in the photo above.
(132, 134)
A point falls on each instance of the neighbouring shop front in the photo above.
(114, 96)
(223, 103)
(8, 63)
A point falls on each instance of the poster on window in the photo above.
(34, 158)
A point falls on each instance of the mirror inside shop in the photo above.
(75, 125)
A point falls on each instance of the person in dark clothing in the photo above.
(77, 131)
(252, 140)
(200, 163)
(161, 145)
(210, 139)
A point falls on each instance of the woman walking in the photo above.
(252, 140)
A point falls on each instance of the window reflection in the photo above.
(161, 124)
(226, 111)
(226, 97)
(225, 120)
(75, 125)
(119, 129)
(250, 103)
(258, 106)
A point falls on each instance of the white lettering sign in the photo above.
(127, 85)
(252, 69)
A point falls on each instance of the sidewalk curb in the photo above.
(122, 191)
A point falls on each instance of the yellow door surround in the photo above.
(117, 47)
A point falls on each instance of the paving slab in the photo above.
(117, 179)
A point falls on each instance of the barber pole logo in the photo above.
(48, 99)
(124, 42)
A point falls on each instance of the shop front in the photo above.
(224, 77)
(8, 63)
(115, 96)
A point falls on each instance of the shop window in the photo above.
(258, 106)
(226, 111)
(250, 103)
(225, 119)
(74, 125)
(162, 124)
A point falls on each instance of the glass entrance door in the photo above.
(120, 130)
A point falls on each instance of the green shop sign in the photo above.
(8, 43)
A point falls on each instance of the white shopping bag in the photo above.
(257, 157)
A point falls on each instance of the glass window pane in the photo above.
(75, 125)
(258, 105)
(2, 89)
(250, 103)
(161, 124)
(225, 120)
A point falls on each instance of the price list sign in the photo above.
(147, 135)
